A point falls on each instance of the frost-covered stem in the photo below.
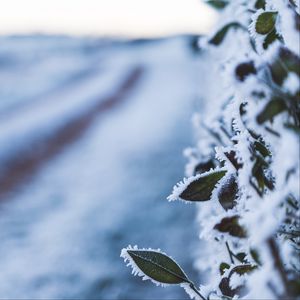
(278, 263)
(256, 189)
(192, 286)
(230, 253)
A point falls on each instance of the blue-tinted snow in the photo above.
(61, 234)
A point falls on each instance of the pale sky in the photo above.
(105, 17)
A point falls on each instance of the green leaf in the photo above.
(242, 269)
(265, 22)
(220, 35)
(260, 4)
(255, 256)
(156, 265)
(231, 225)
(261, 148)
(273, 108)
(241, 256)
(217, 4)
(270, 38)
(228, 193)
(201, 188)
(223, 267)
(285, 62)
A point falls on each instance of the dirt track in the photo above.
(20, 169)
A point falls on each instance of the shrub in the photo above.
(244, 170)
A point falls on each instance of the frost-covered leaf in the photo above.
(228, 193)
(261, 148)
(273, 108)
(231, 155)
(154, 265)
(245, 69)
(201, 188)
(231, 226)
(242, 269)
(265, 22)
(225, 288)
(225, 284)
(220, 35)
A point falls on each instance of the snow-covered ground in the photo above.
(62, 231)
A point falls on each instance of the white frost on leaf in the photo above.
(135, 269)
(292, 83)
(181, 186)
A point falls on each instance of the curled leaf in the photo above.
(218, 38)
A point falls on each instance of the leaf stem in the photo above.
(279, 264)
(192, 286)
(230, 253)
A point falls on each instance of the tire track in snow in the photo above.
(23, 168)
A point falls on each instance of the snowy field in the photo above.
(91, 136)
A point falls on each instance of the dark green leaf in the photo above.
(255, 256)
(223, 267)
(270, 38)
(228, 193)
(201, 188)
(232, 158)
(231, 226)
(265, 22)
(290, 60)
(285, 62)
(241, 256)
(273, 108)
(158, 266)
(220, 35)
(260, 4)
(261, 148)
(218, 4)
(258, 171)
(294, 287)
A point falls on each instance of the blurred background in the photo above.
(95, 104)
